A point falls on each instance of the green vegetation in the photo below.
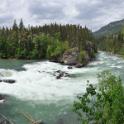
(56, 48)
(110, 38)
(42, 42)
(82, 56)
(113, 43)
(104, 104)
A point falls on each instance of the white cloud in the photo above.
(93, 13)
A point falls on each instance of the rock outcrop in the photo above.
(70, 56)
(79, 58)
(76, 57)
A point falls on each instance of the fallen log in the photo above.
(30, 119)
(4, 120)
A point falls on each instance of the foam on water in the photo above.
(116, 66)
(37, 81)
(5, 73)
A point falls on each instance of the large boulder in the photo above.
(76, 57)
(79, 65)
(70, 56)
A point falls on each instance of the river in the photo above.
(37, 91)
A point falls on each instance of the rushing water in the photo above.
(37, 91)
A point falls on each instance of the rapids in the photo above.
(39, 93)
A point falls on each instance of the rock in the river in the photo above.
(10, 81)
(79, 65)
(1, 97)
(70, 67)
(74, 56)
(70, 56)
(59, 74)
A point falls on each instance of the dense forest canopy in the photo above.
(41, 42)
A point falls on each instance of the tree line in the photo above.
(41, 42)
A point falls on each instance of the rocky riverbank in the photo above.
(76, 57)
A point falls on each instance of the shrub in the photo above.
(82, 56)
(56, 49)
(104, 104)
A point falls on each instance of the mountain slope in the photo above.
(111, 28)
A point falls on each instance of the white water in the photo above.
(37, 82)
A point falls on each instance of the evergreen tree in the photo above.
(15, 26)
(21, 25)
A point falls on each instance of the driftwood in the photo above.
(5, 119)
(30, 119)
(26, 115)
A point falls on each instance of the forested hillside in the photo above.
(45, 42)
(111, 28)
(113, 43)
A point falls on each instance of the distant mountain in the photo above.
(111, 28)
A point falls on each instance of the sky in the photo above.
(91, 13)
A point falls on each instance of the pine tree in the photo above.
(21, 25)
(15, 26)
